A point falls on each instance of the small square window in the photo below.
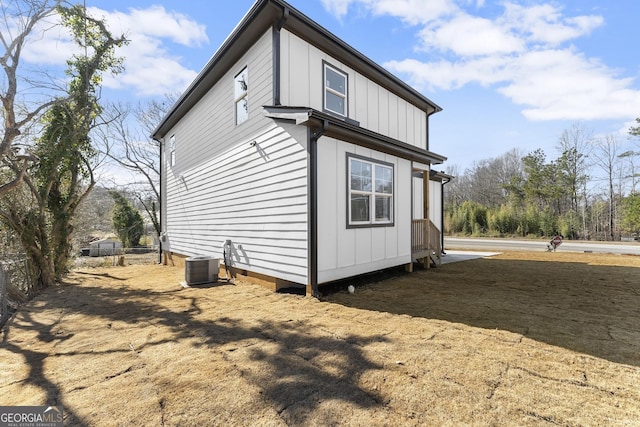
(172, 150)
(241, 98)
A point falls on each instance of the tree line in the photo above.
(589, 191)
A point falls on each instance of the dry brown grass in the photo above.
(516, 339)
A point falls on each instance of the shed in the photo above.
(105, 247)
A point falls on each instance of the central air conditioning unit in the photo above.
(201, 269)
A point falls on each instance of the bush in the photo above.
(569, 224)
(548, 225)
(504, 220)
(468, 218)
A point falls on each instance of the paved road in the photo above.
(539, 245)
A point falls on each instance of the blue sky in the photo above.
(508, 74)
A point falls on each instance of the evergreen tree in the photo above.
(127, 221)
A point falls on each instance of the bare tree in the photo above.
(128, 143)
(632, 155)
(608, 160)
(487, 181)
(19, 21)
(575, 146)
(629, 157)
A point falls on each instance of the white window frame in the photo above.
(374, 195)
(331, 91)
(172, 150)
(241, 96)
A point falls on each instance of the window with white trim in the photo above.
(335, 90)
(172, 150)
(240, 95)
(370, 192)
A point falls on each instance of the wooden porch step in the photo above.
(435, 258)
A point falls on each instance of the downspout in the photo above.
(160, 205)
(442, 214)
(427, 130)
(427, 125)
(312, 287)
(276, 55)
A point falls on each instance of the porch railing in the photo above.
(425, 239)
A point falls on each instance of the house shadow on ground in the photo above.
(591, 309)
(292, 376)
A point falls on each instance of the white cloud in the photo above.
(152, 76)
(337, 7)
(544, 23)
(149, 67)
(448, 75)
(413, 11)
(466, 35)
(562, 84)
(410, 11)
(549, 84)
(154, 22)
(524, 52)
(49, 43)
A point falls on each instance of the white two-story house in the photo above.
(299, 157)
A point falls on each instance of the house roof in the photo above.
(263, 15)
(97, 242)
(440, 175)
(350, 131)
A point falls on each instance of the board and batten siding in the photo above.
(208, 129)
(345, 252)
(254, 195)
(375, 107)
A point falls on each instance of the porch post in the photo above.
(425, 215)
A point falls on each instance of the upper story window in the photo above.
(335, 90)
(172, 150)
(241, 100)
(370, 192)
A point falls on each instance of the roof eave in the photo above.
(350, 131)
(249, 29)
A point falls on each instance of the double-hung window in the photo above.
(335, 90)
(370, 192)
(240, 94)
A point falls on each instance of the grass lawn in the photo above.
(519, 338)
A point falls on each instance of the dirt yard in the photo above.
(528, 339)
